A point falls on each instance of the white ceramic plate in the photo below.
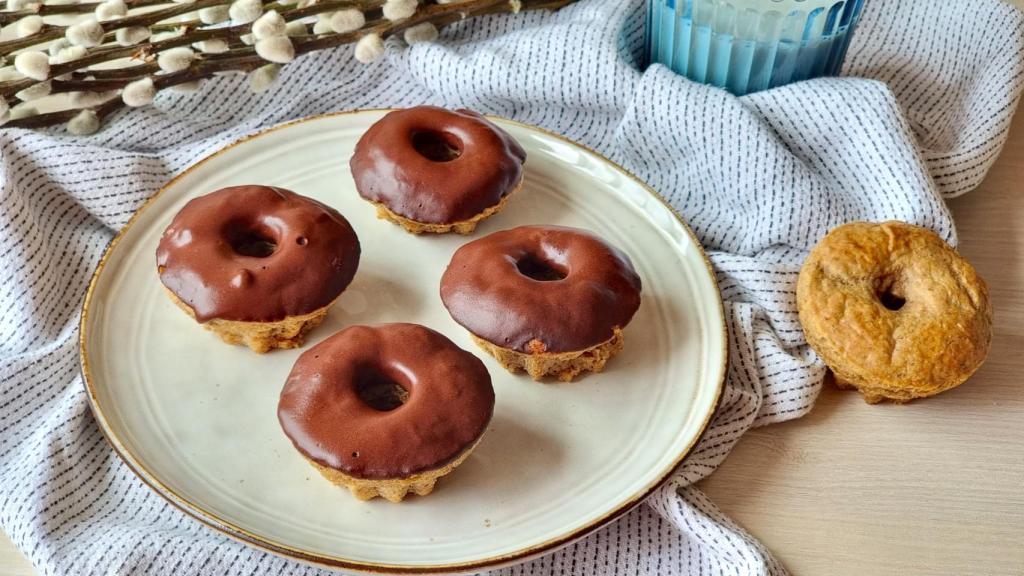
(196, 418)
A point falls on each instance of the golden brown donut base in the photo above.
(875, 394)
(261, 337)
(562, 365)
(392, 489)
(461, 227)
(932, 343)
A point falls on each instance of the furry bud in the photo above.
(139, 92)
(34, 64)
(277, 49)
(369, 48)
(88, 33)
(84, 123)
(424, 32)
(349, 20)
(175, 59)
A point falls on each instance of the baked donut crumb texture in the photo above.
(260, 337)
(564, 365)
(462, 227)
(392, 489)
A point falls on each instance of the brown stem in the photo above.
(46, 33)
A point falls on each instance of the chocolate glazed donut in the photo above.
(257, 264)
(546, 299)
(434, 170)
(386, 409)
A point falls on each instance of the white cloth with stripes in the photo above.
(760, 179)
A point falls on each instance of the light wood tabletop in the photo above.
(932, 487)
(12, 563)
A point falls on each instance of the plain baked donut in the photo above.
(893, 310)
(550, 300)
(386, 409)
(435, 170)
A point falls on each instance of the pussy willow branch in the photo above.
(51, 32)
(243, 59)
(107, 53)
(150, 19)
(154, 19)
(55, 9)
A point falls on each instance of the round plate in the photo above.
(196, 418)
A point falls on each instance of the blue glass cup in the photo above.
(749, 45)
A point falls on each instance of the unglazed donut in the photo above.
(548, 300)
(434, 170)
(386, 410)
(257, 265)
(893, 310)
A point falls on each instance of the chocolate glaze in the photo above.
(202, 257)
(450, 401)
(490, 288)
(389, 164)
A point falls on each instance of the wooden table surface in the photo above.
(933, 487)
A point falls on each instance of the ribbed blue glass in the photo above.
(749, 45)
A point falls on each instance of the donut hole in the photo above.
(437, 146)
(249, 240)
(890, 294)
(891, 301)
(540, 269)
(378, 391)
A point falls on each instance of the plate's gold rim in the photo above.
(238, 533)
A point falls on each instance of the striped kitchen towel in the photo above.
(923, 110)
